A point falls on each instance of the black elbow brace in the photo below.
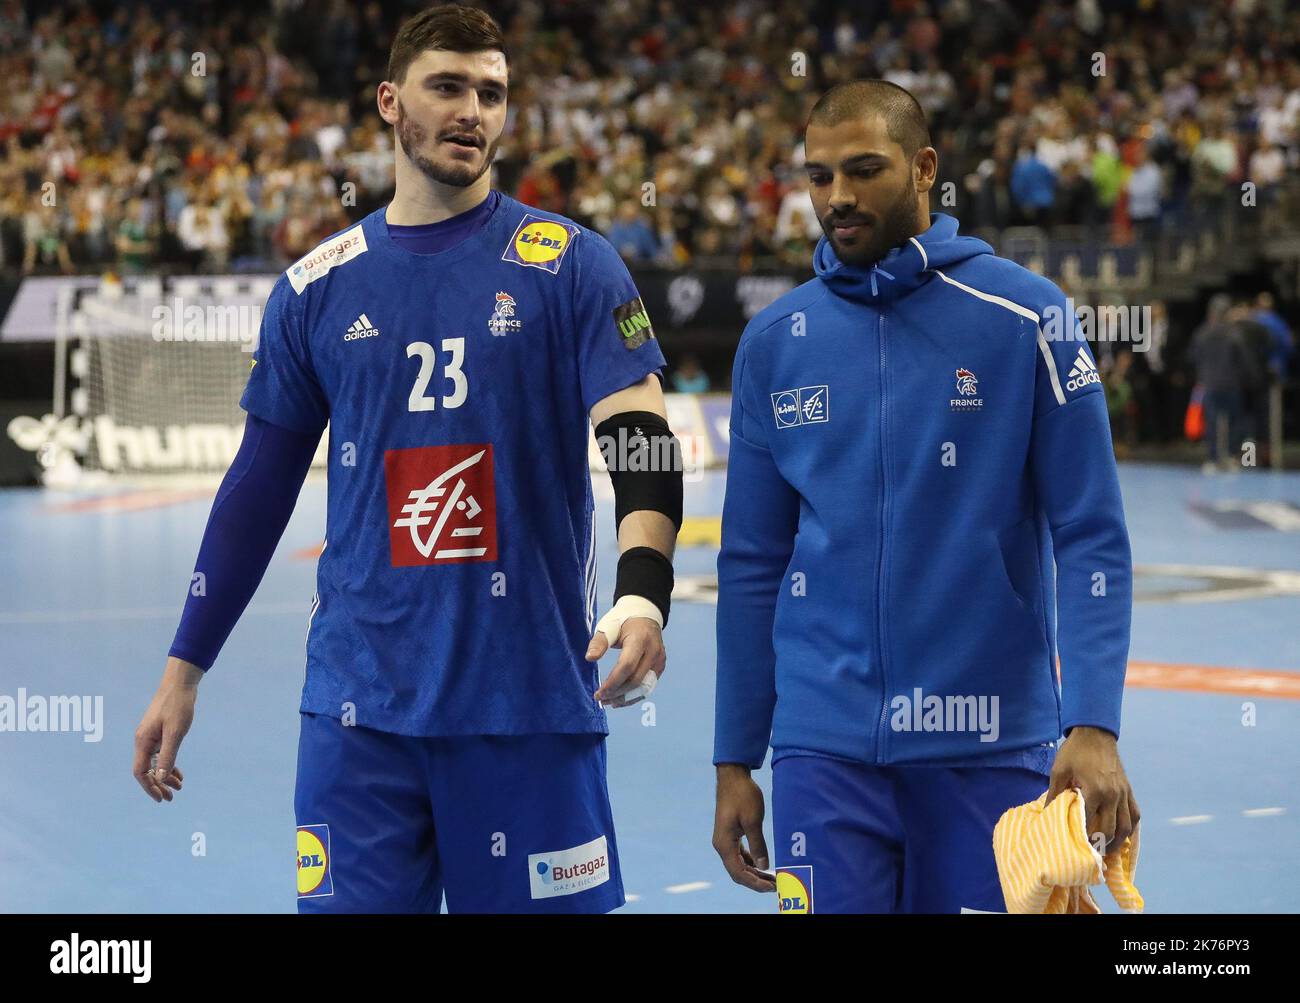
(644, 460)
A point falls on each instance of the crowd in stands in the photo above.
(232, 135)
(235, 135)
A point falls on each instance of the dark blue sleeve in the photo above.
(249, 514)
(1077, 485)
(282, 384)
(616, 345)
(760, 517)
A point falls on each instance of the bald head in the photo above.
(858, 100)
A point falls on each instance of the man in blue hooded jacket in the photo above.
(920, 481)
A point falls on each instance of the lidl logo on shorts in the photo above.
(314, 878)
(567, 872)
(794, 889)
(539, 243)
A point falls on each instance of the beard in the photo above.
(893, 226)
(412, 136)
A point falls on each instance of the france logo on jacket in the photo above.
(910, 453)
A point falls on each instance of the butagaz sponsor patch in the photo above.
(344, 247)
(633, 323)
(567, 872)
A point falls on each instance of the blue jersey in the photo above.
(456, 591)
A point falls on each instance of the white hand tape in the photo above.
(629, 606)
(643, 689)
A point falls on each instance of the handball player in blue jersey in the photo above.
(460, 346)
(920, 487)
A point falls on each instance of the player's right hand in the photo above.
(164, 725)
(740, 813)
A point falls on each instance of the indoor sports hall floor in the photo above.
(91, 585)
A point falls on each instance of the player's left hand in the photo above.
(641, 661)
(1089, 760)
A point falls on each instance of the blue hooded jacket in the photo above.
(915, 449)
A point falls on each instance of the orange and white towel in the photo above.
(1045, 862)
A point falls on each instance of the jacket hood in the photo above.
(904, 268)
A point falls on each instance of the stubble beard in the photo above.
(895, 225)
(412, 136)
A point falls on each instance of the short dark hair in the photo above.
(452, 27)
(904, 117)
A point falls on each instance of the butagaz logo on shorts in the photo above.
(805, 406)
(919, 712)
(503, 319)
(567, 872)
(968, 392)
(58, 713)
(75, 956)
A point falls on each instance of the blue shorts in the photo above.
(853, 838)
(507, 824)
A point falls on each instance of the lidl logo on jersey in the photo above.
(441, 505)
(567, 872)
(503, 319)
(320, 260)
(794, 889)
(805, 406)
(968, 392)
(540, 243)
(1082, 372)
(314, 879)
(633, 323)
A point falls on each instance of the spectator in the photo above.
(1225, 372)
(1144, 193)
(1281, 338)
(631, 236)
(135, 248)
(1119, 403)
(1075, 201)
(202, 234)
(689, 378)
(44, 242)
(796, 223)
(1033, 186)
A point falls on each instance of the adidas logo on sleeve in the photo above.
(1082, 372)
(361, 328)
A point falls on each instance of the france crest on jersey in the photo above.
(457, 590)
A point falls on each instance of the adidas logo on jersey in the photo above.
(361, 328)
(1083, 372)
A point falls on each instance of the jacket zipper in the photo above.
(880, 561)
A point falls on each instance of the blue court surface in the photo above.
(92, 583)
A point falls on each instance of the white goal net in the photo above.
(150, 370)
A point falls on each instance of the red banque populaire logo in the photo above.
(441, 504)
